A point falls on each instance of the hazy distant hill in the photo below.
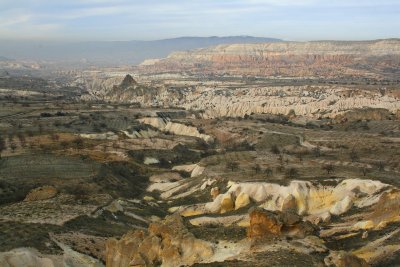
(4, 58)
(124, 52)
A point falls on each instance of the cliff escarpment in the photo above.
(374, 59)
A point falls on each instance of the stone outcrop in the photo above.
(242, 200)
(23, 257)
(309, 198)
(317, 203)
(214, 192)
(165, 177)
(264, 224)
(289, 204)
(167, 243)
(364, 114)
(41, 193)
(166, 125)
(29, 257)
(344, 259)
(384, 212)
(128, 81)
(227, 203)
(268, 225)
(194, 169)
(100, 136)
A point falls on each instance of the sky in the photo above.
(122, 20)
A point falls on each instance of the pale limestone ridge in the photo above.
(166, 125)
(372, 48)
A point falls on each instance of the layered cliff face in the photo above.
(375, 59)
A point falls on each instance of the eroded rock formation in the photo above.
(175, 128)
(167, 243)
(41, 193)
(268, 225)
(301, 197)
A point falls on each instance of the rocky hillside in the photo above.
(237, 99)
(374, 59)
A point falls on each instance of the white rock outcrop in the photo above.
(316, 202)
(194, 169)
(166, 125)
(101, 136)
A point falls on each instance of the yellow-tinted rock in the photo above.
(242, 200)
(41, 193)
(227, 203)
(167, 243)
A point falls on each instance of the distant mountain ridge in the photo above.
(4, 58)
(114, 53)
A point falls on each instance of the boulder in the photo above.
(319, 218)
(242, 200)
(268, 225)
(227, 203)
(289, 204)
(41, 193)
(115, 206)
(290, 218)
(207, 183)
(342, 206)
(264, 224)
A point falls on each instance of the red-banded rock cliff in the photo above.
(375, 59)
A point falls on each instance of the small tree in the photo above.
(232, 165)
(292, 173)
(364, 171)
(317, 151)
(381, 165)
(268, 171)
(280, 168)
(256, 168)
(64, 145)
(280, 158)
(328, 168)
(40, 128)
(354, 155)
(22, 139)
(275, 149)
(79, 143)
(2, 145)
(13, 147)
(163, 163)
(300, 157)
(54, 137)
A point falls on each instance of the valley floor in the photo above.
(95, 183)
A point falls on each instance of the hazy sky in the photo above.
(156, 19)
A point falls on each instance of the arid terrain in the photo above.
(271, 154)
